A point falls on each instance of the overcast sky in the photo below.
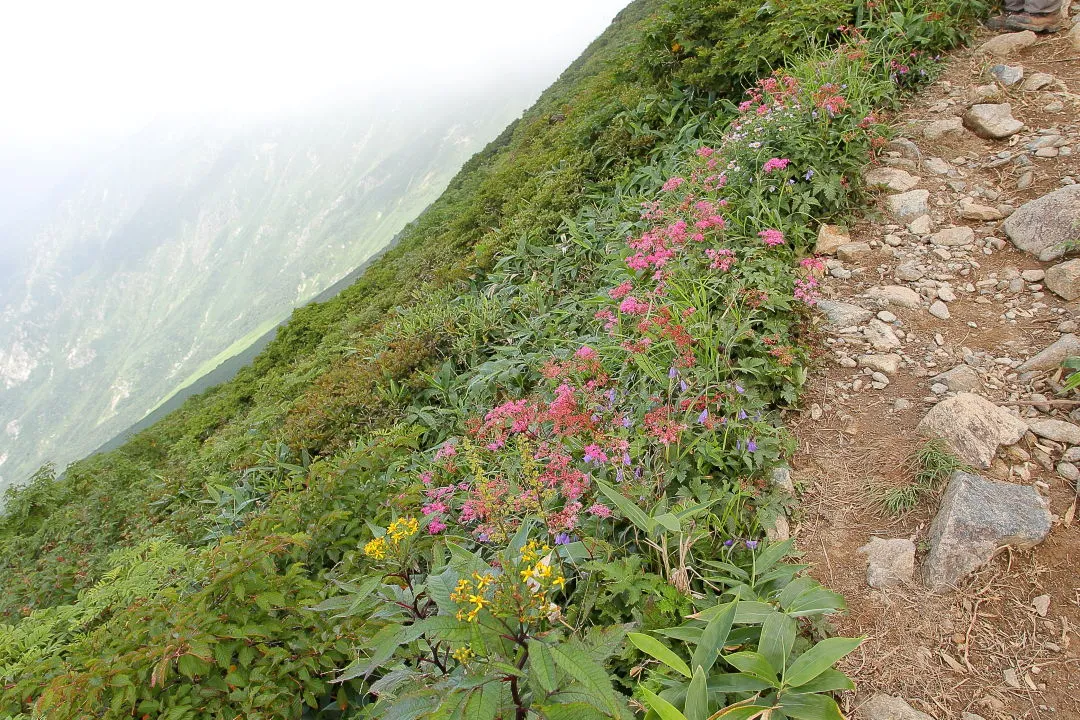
(79, 70)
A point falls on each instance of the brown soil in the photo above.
(947, 654)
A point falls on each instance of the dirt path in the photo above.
(985, 648)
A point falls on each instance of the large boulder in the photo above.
(977, 516)
(973, 426)
(992, 121)
(1045, 226)
(1050, 358)
(829, 238)
(1064, 280)
(889, 178)
(895, 295)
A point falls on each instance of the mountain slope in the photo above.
(186, 244)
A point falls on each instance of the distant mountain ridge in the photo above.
(186, 245)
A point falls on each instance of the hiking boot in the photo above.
(998, 22)
(1040, 23)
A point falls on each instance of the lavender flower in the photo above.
(703, 416)
(562, 539)
(752, 544)
(751, 446)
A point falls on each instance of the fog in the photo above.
(80, 76)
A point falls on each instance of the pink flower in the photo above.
(673, 184)
(599, 510)
(772, 237)
(705, 151)
(585, 353)
(446, 451)
(722, 259)
(594, 454)
(632, 306)
(621, 291)
(434, 508)
(775, 164)
(426, 478)
(436, 526)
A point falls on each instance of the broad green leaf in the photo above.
(810, 706)
(753, 663)
(483, 702)
(795, 588)
(588, 673)
(569, 711)
(542, 666)
(739, 712)
(777, 638)
(737, 682)
(817, 659)
(816, 601)
(773, 554)
(653, 647)
(697, 697)
(660, 706)
(830, 680)
(747, 612)
(713, 637)
(669, 521)
(632, 512)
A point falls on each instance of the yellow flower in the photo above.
(403, 528)
(463, 654)
(376, 549)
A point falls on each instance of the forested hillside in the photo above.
(526, 453)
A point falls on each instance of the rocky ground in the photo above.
(947, 315)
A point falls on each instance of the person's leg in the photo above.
(1037, 15)
(1041, 7)
(1011, 7)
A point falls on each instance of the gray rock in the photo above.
(992, 121)
(1033, 276)
(937, 166)
(1008, 44)
(905, 147)
(907, 206)
(973, 426)
(889, 562)
(781, 478)
(1037, 81)
(1007, 75)
(953, 236)
(940, 310)
(888, 364)
(1069, 471)
(1051, 357)
(849, 252)
(946, 293)
(830, 237)
(895, 295)
(962, 378)
(1045, 226)
(1072, 455)
(889, 707)
(908, 271)
(891, 179)
(842, 314)
(921, 225)
(939, 129)
(1056, 430)
(977, 516)
(1064, 280)
(880, 336)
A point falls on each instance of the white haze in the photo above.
(77, 71)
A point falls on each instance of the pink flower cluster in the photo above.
(772, 237)
(775, 164)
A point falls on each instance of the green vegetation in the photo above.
(528, 443)
(930, 464)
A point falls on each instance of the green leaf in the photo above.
(628, 508)
(747, 612)
(653, 647)
(777, 639)
(542, 666)
(740, 712)
(669, 521)
(817, 659)
(588, 673)
(737, 682)
(570, 711)
(830, 680)
(809, 706)
(483, 702)
(697, 697)
(713, 637)
(660, 706)
(753, 663)
(816, 601)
